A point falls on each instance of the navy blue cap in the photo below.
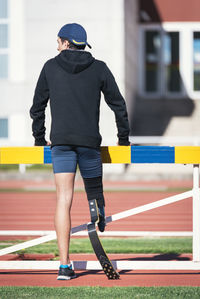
(75, 33)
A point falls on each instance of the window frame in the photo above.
(186, 30)
(194, 93)
(6, 50)
(193, 59)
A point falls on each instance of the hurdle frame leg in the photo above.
(196, 214)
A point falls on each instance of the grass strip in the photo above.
(115, 245)
(99, 292)
(29, 167)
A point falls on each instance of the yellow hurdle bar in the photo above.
(187, 154)
(116, 154)
(109, 154)
(22, 155)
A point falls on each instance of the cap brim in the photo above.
(89, 45)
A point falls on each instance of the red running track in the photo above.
(34, 211)
(98, 278)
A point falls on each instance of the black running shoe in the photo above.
(102, 221)
(66, 273)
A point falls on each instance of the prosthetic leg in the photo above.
(94, 189)
(96, 243)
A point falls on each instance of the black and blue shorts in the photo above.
(66, 157)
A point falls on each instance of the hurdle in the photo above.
(125, 155)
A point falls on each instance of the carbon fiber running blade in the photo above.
(106, 264)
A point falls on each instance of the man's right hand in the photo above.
(124, 145)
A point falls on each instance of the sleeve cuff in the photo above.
(124, 141)
(40, 142)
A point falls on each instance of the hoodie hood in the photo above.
(74, 61)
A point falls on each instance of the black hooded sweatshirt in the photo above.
(73, 82)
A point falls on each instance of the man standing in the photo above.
(73, 82)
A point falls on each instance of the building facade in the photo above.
(152, 48)
(168, 95)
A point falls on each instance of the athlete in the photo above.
(73, 82)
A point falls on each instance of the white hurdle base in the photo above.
(94, 265)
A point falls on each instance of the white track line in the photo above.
(26, 232)
(106, 188)
(104, 234)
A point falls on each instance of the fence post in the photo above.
(196, 214)
(22, 168)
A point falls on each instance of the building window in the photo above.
(152, 52)
(160, 74)
(4, 39)
(3, 128)
(196, 61)
(3, 9)
(171, 62)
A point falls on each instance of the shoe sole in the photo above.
(63, 277)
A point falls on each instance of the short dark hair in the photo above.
(73, 46)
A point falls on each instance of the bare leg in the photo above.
(64, 191)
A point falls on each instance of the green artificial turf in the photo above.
(115, 245)
(99, 292)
